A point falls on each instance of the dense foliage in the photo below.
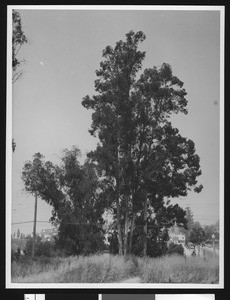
(45, 248)
(197, 234)
(144, 160)
(175, 249)
(73, 190)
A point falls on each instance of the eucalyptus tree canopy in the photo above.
(143, 158)
(73, 191)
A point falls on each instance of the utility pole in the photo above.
(34, 229)
(213, 244)
(21, 242)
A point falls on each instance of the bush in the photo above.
(15, 255)
(175, 249)
(41, 248)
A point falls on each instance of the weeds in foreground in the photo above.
(177, 269)
(106, 268)
(82, 269)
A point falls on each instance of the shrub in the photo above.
(15, 255)
(175, 249)
(41, 248)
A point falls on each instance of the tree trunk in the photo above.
(120, 242)
(34, 229)
(119, 231)
(145, 227)
(131, 231)
(126, 227)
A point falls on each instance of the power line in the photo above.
(29, 222)
(71, 223)
(94, 224)
(203, 204)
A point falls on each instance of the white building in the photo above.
(177, 238)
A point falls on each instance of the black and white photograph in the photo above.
(115, 147)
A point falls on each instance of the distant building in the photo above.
(175, 236)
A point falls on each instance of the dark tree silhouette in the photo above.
(73, 191)
(18, 40)
(144, 160)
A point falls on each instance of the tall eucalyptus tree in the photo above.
(143, 158)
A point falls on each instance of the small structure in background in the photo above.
(175, 236)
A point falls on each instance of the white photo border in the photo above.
(9, 121)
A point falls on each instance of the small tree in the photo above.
(209, 230)
(189, 217)
(190, 223)
(197, 235)
(18, 234)
(18, 39)
(33, 176)
(13, 145)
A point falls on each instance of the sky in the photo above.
(63, 51)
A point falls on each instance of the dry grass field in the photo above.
(106, 268)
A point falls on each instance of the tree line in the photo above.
(140, 163)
